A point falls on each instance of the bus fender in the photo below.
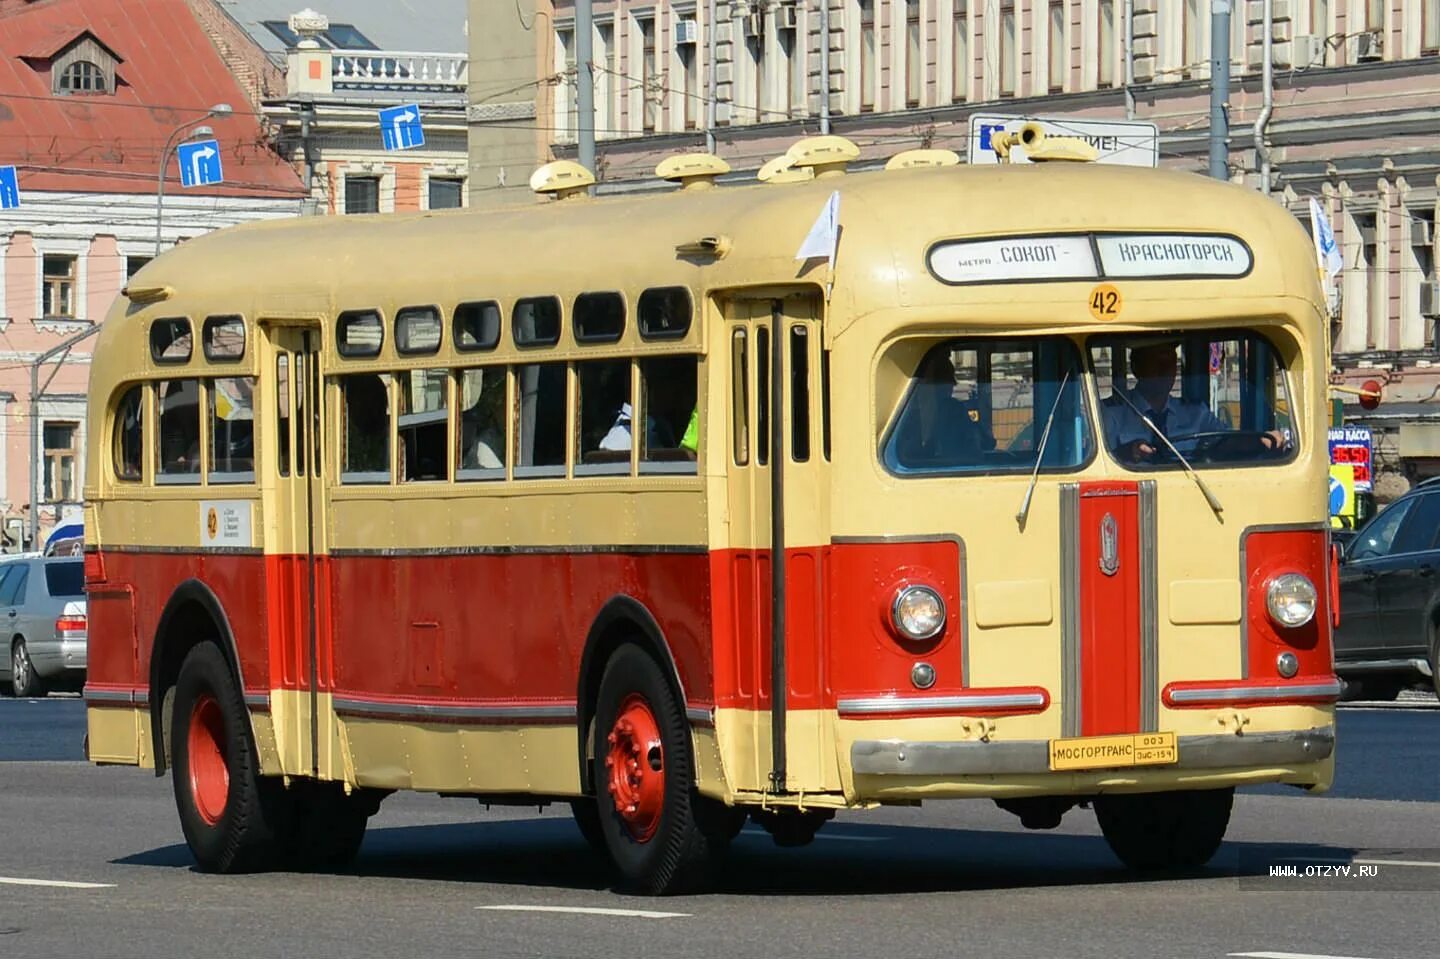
(164, 668)
(622, 619)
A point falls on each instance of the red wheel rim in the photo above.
(636, 765)
(209, 772)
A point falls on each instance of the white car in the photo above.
(42, 610)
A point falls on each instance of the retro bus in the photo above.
(1015, 492)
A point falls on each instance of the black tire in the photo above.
(1172, 830)
(587, 820)
(719, 823)
(327, 825)
(24, 681)
(674, 856)
(1382, 690)
(246, 831)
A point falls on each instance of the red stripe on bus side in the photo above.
(1109, 611)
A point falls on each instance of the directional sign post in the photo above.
(9, 188)
(1120, 142)
(400, 128)
(200, 163)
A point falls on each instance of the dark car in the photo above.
(1390, 599)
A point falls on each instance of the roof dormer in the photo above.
(81, 66)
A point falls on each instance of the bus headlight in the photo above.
(1291, 600)
(918, 613)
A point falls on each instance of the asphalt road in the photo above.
(444, 876)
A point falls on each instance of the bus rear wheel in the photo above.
(643, 778)
(231, 817)
(1171, 830)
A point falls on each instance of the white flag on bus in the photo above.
(824, 236)
(1327, 252)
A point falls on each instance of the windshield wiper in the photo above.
(1040, 453)
(1205, 490)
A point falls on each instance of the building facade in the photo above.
(1355, 121)
(91, 93)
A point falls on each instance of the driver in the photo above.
(1132, 440)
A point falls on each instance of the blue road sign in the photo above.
(986, 129)
(200, 163)
(9, 188)
(400, 128)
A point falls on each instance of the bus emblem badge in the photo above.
(1109, 546)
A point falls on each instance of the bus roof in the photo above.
(888, 222)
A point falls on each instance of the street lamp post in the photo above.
(218, 110)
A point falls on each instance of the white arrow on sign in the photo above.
(196, 159)
(399, 121)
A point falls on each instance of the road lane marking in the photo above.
(591, 911)
(827, 836)
(1289, 955)
(1418, 863)
(54, 883)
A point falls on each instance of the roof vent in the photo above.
(693, 171)
(563, 179)
(827, 156)
(911, 159)
(1040, 147)
(782, 169)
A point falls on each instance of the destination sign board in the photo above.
(1083, 256)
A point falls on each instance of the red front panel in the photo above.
(1271, 553)
(1109, 584)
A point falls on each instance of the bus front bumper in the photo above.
(890, 757)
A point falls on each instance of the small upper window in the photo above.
(359, 333)
(170, 340)
(129, 443)
(665, 313)
(224, 337)
(82, 76)
(417, 330)
(536, 321)
(477, 326)
(599, 317)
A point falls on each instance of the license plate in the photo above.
(1110, 752)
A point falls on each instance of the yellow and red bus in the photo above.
(1017, 494)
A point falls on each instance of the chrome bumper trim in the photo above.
(871, 757)
(1420, 666)
(1230, 694)
(897, 705)
(429, 711)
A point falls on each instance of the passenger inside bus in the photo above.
(669, 389)
(1138, 421)
(941, 430)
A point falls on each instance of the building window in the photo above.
(1106, 45)
(606, 113)
(649, 77)
(446, 193)
(1193, 37)
(961, 58)
(1055, 43)
(1374, 14)
(566, 112)
(755, 48)
(691, 93)
(914, 62)
(60, 462)
(362, 194)
(789, 97)
(1009, 51)
(868, 66)
(1429, 28)
(134, 264)
(82, 76)
(60, 286)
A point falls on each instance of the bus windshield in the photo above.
(981, 406)
(1215, 398)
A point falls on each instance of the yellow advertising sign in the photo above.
(1342, 490)
(1108, 752)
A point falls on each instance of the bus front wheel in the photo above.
(643, 777)
(231, 817)
(1171, 830)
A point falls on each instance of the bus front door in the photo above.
(778, 459)
(295, 552)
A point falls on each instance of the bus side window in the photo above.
(482, 452)
(762, 395)
(178, 406)
(740, 396)
(365, 428)
(667, 401)
(606, 417)
(232, 429)
(130, 434)
(825, 403)
(799, 394)
(282, 405)
(424, 424)
(541, 428)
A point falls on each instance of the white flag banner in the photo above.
(824, 236)
(1327, 252)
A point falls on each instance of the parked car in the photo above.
(42, 609)
(1390, 599)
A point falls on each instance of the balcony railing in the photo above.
(395, 70)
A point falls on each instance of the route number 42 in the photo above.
(1105, 302)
